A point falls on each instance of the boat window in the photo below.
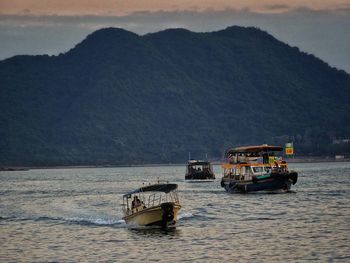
(267, 169)
(196, 168)
(258, 169)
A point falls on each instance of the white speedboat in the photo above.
(152, 205)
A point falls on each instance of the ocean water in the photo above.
(74, 215)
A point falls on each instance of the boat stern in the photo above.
(164, 215)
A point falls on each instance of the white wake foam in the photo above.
(184, 215)
(97, 221)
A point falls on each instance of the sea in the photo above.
(75, 215)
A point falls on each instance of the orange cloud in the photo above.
(123, 7)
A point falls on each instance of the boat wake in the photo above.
(85, 221)
(184, 216)
(96, 221)
(73, 220)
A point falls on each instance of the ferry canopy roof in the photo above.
(165, 188)
(198, 162)
(257, 148)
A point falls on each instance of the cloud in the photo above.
(276, 8)
(118, 7)
(25, 12)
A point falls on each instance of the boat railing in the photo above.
(127, 210)
(157, 198)
(124, 208)
(154, 199)
(270, 165)
(174, 197)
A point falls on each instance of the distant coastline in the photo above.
(299, 159)
(316, 160)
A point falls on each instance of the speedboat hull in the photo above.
(272, 182)
(163, 215)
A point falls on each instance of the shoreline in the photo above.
(214, 162)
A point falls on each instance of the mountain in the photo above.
(121, 98)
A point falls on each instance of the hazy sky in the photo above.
(122, 7)
(51, 26)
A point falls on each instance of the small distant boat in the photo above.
(199, 170)
(152, 205)
(256, 168)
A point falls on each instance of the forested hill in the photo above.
(121, 98)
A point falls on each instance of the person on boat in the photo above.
(139, 203)
(231, 158)
(242, 158)
(133, 203)
(283, 166)
(265, 158)
(276, 167)
(136, 202)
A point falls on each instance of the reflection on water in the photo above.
(155, 231)
(66, 215)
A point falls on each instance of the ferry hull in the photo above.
(163, 215)
(200, 176)
(276, 182)
(200, 180)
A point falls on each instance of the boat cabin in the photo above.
(245, 163)
(264, 154)
(194, 166)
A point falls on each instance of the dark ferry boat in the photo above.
(199, 171)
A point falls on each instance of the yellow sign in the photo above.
(289, 150)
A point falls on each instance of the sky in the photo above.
(319, 27)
